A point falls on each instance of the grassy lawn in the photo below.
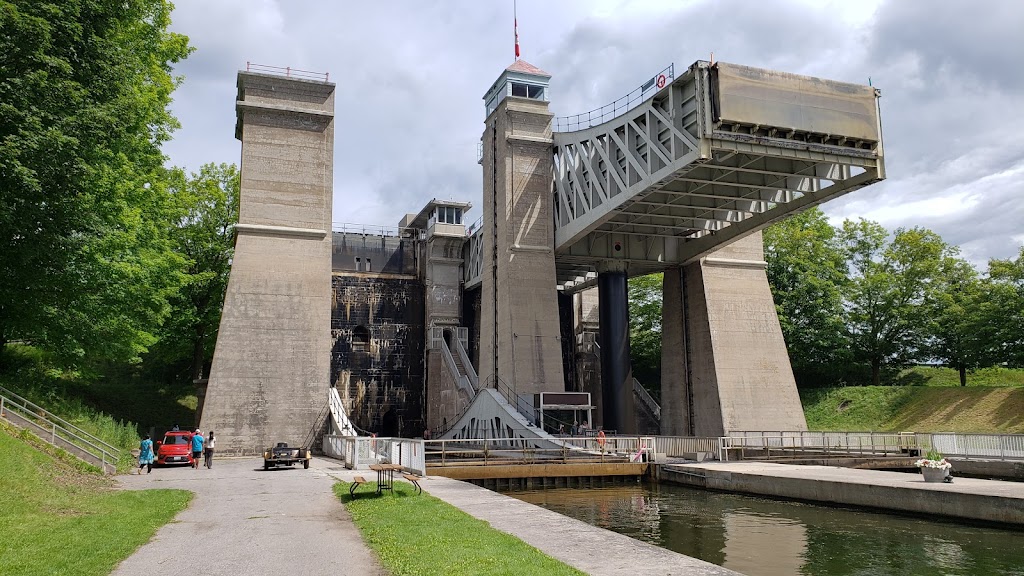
(938, 376)
(415, 535)
(58, 517)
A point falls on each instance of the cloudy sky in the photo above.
(411, 76)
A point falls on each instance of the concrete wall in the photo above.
(519, 339)
(270, 370)
(376, 253)
(380, 381)
(443, 308)
(724, 362)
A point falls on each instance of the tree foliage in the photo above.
(807, 273)
(87, 265)
(206, 209)
(645, 330)
(1005, 310)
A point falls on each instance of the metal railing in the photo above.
(474, 379)
(647, 399)
(371, 229)
(59, 432)
(790, 444)
(617, 108)
(287, 71)
(461, 380)
(967, 446)
(513, 451)
(359, 452)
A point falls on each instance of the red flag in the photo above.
(515, 25)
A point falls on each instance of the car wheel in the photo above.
(306, 464)
(266, 465)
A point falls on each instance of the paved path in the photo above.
(588, 548)
(246, 521)
(971, 498)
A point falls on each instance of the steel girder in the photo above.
(668, 182)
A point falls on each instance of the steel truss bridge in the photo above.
(714, 155)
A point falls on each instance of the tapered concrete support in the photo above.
(725, 366)
(618, 412)
(271, 365)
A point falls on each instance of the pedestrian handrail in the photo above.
(474, 379)
(618, 107)
(287, 71)
(52, 428)
(647, 399)
(507, 451)
(461, 380)
(988, 446)
(339, 416)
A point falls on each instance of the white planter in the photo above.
(933, 474)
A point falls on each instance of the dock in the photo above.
(972, 499)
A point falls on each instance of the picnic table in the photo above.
(385, 476)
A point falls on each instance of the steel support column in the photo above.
(616, 372)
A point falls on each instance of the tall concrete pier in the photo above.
(271, 366)
(520, 344)
(724, 364)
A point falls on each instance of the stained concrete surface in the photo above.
(246, 521)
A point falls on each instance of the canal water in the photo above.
(761, 537)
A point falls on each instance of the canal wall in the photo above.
(967, 498)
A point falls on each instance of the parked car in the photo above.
(175, 448)
(283, 455)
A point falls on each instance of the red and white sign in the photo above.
(661, 80)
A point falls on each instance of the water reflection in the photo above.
(761, 537)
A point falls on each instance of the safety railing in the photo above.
(288, 72)
(340, 422)
(981, 446)
(359, 452)
(523, 406)
(58, 432)
(767, 445)
(461, 380)
(474, 379)
(372, 229)
(647, 399)
(511, 451)
(617, 108)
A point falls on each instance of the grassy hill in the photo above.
(61, 516)
(992, 402)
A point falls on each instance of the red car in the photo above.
(175, 448)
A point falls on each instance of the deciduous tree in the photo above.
(85, 262)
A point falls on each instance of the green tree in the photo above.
(956, 324)
(1005, 311)
(645, 330)
(85, 262)
(807, 272)
(891, 285)
(207, 210)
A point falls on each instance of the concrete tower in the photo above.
(519, 334)
(271, 366)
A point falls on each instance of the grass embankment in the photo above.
(59, 517)
(419, 534)
(117, 409)
(993, 402)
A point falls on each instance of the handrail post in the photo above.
(53, 435)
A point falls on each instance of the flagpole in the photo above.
(515, 26)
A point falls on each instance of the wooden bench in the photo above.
(356, 482)
(415, 481)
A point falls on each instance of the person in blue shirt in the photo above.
(146, 457)
(197, 447)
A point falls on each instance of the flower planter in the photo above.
(933, 474)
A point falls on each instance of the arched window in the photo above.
(360, 339)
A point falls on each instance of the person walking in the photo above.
(211, 440)
(146, 457)
(197, 447)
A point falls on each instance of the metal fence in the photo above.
(513, 451)
(59, 432)
(617, 108)
(372, 229)
(359, 452)
(790, 444)
(982, 446)
(287, 71)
